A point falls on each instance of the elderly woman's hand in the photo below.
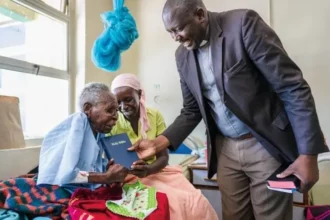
(115, 173)
(140, 169)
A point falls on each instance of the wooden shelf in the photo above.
(198, 166)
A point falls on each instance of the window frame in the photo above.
(13, 64)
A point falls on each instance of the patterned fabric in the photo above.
(22, 195)
(138, 201)
(91, 205)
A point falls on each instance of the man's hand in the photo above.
(146, 149)
(140, 169)
(115, 173)
(306, 169)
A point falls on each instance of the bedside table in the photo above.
(210, 190)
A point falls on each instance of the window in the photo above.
(34, 37)
(34, 61)
(43, 100)
(57, 4)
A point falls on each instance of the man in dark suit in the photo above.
(257, 107)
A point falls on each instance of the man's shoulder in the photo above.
(234, 13)
(233, 17)
(231, 13)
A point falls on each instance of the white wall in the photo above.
(304, 29)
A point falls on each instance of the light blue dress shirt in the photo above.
(228, 124)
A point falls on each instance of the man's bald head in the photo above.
(186, 21)
(182, 6)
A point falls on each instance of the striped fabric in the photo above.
(22, 195)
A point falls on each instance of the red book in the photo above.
(290, 182)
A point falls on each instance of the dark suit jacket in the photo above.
(257, 81)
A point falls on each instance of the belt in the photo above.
(243, 137)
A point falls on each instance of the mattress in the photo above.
(183, 160)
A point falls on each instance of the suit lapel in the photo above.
(193, 78)
(216, 41)
(193, 74)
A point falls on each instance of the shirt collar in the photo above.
(205, 41)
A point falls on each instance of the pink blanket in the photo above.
(186, 202)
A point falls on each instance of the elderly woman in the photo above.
(140, 122)
(70, 154)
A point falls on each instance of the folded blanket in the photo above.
(138, 201)
(22, 195)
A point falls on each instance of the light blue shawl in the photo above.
(67, 149)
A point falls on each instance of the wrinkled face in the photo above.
(188, 28)
(103, 115)
(128, 101)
